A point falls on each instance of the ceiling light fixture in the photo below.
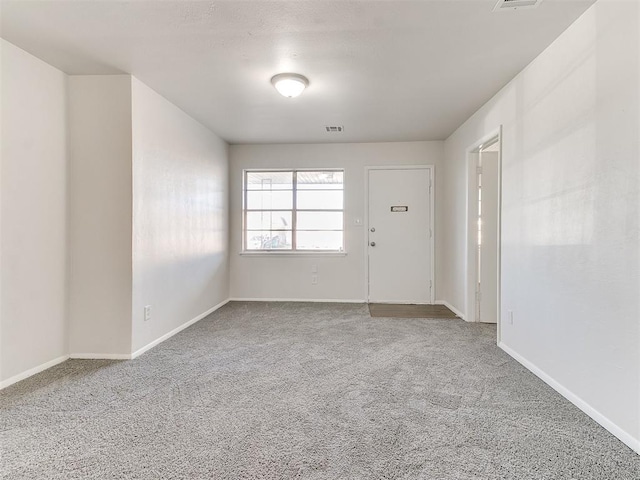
(290, 84)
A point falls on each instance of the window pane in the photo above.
(269, 180)
(268, 221)
(319, 200)
(320, 180)
(319, 221)
(276, 200)
(319, 241)
(265, 240)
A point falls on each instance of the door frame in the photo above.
(471, 245)
(431, 186)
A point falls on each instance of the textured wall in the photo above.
(180, 217)
(34, 217)
(570, 213)
(339, 277)
(100, 214)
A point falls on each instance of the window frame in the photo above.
(294, 210)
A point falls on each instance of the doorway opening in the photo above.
(483, 233)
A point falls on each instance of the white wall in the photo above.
(571, 199)
(339, 277)
(33, 212)
(100, 206)
(81, 256)
(180, 217)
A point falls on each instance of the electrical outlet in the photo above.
(314, 268)
(510, 317)
(314, 279)
(147, 313)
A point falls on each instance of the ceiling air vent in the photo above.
(334, 128)
(515, 4)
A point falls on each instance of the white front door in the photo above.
(399, 235)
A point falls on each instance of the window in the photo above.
(293, 210)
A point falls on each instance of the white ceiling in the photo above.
(386, 70)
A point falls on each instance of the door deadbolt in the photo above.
(373, 244)
(373, 229)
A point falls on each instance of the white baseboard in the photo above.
(106, 356)
(32, 371)
(624, 437)
(99, 356)
(170, 334)
(313, 300)
(396, 302)
(452, 308)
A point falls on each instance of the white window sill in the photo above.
(265, 253)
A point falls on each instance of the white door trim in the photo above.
(470, 239)
(431, 169)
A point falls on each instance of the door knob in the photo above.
(373, 229)
(373, 244)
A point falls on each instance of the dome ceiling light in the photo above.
(290, 85)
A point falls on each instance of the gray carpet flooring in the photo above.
(305, 391)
